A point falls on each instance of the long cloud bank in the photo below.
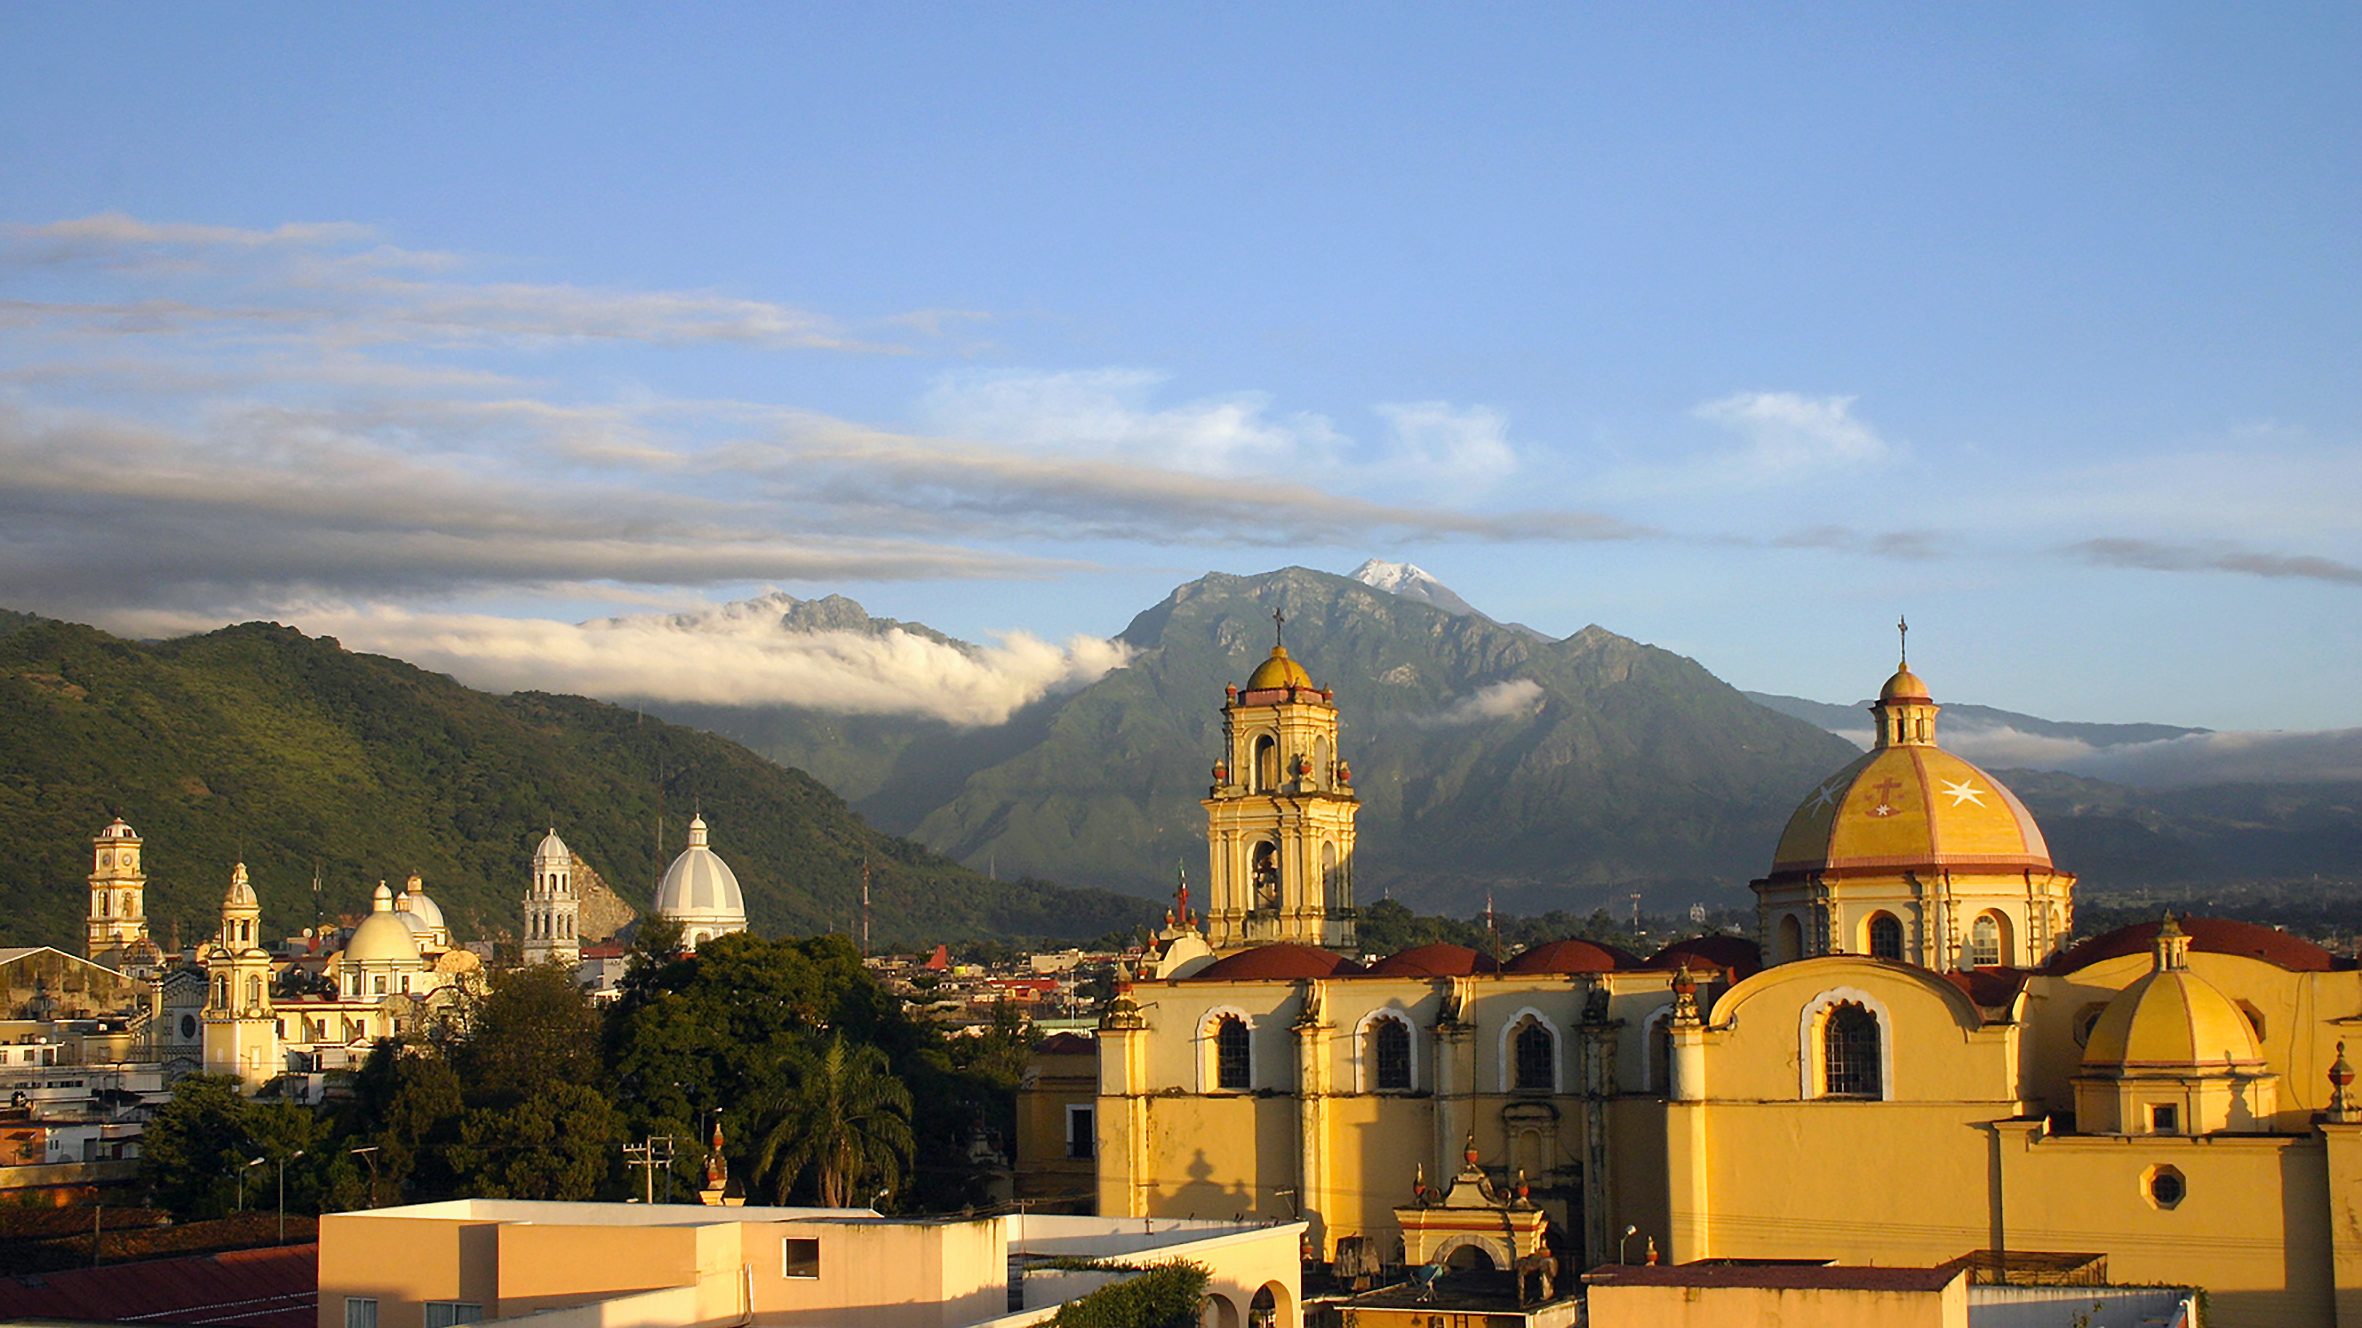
(732, 657)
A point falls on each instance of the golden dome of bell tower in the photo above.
(1914, 854)
(1279, 816)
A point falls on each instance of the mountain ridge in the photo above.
(258, 743)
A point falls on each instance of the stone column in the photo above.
(1313, 1030)
(1597, 1047)
(1455, 1076)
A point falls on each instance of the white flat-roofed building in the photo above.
(600, 1265)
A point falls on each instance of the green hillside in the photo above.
(298, 756)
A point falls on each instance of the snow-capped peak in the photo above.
(1413, 583)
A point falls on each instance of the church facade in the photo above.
(1910, 1064)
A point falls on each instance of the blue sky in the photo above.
(1732, 330)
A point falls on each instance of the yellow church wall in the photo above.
(2252, 1227)
(1220, 1157)
(1375, 1144)
(1857, 1182)
(1934, 1042)
(1638, 1175)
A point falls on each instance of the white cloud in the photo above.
(1461, 449)
(1517, 698)
(738, 655)
(1106, 414)
(1790, 435)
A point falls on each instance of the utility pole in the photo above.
(865, 906)
(649, 1154)
(369, 1155)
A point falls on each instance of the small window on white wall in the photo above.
(799, 1257)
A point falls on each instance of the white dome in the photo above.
(700, 888)
(241, 892)
(421, 913)
(381, 938)
(553, 849)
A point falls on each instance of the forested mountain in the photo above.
(299, 757)
(1554, 773)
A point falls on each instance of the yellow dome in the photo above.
(1907, 807)
(2174, 1021)
(1278, 671)
(1904, 686)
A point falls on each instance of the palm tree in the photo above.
(844, 1117)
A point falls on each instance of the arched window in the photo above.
(1233, 1063)
(253, 990)
(1789, 946)
(1263, 1310)
(1263, 875)
(1536, 1063)
(1320, 762)
(1388, 1047)
(1849, 1052)
(1266, 763)
(1886, 936)
(106, 904)
(1332, 880)
(1984, 941)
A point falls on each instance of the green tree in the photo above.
(534, 1029)
(557, 1142)
(409, 1106)
(196, 1150)
(844, 1119)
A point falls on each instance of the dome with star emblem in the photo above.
(1908, 804)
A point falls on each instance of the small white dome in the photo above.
(382, 938)
(423, 914)
(118, 830)
(241, 892)
(699, 888)
(552, 850)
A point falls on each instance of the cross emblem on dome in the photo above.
(1885, 789)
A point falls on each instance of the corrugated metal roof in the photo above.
(268, 1288)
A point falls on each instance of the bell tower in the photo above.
(241, 1028)
(553, 911)
(118, 895)
(1279, 816)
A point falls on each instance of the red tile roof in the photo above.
(1439, 960)
(2211, 935)
(1735, 955)
(1276, 961)
(1066, 1044)
(1572, 956)
(268, 1288)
